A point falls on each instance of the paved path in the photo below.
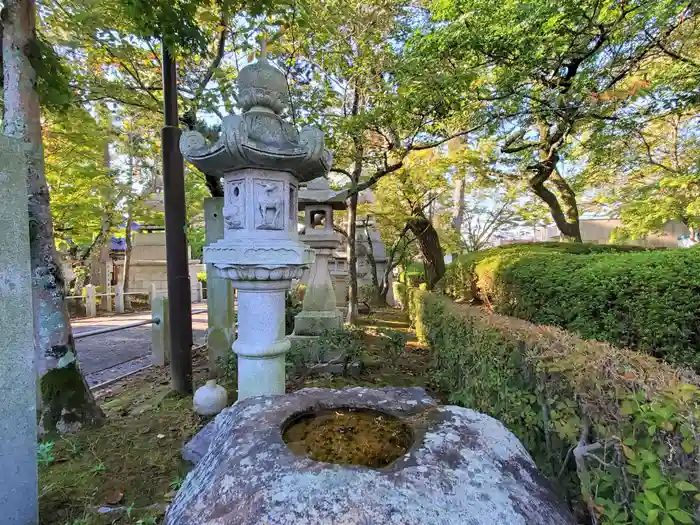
(107, 356)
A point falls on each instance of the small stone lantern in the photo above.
(319, 312)
(262, 158)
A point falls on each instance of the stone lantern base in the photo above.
(319, 313)
(315, 323)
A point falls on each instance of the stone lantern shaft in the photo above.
(262, 159)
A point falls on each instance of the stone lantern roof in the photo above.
(260, 137)
(318, 191)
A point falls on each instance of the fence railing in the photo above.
(160, 337)
(90, 297)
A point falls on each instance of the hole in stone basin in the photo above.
(349, 436)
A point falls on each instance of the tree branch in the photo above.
(217, 60)
(653, 162)
(342, 172)
(437, 143)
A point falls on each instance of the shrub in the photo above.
(228, 367)
(393, 342)
(615, 430)
(414, 274)
(368, 294)
(648, 300)
(298, 292)
(460, 278)
(292, 306)
(202, 278)
(344, 345)
(401, 294)
(44, 453)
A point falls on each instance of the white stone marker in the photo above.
(262, 159)
(108, 298)
(90, 301)
(119, 298)
(18, 428)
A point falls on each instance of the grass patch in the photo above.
(133, 461)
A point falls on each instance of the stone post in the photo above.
(160, 335)
(152, 294)
(262, 159)
(90, 301)
(108, 298)
(220, 301)
(18, 388)
(119, 298)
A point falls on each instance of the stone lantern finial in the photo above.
(263, 85)
(260, 137)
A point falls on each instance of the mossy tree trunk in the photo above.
(66, 401)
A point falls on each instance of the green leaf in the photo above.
(653, 498)
(653, 483)
(652, 515)
(628, 452)
(671, 502)
(681, 516)
(685, 486)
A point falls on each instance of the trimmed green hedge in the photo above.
(616, 431)
(460, 278)
(649, 301)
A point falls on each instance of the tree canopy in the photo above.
(530, 112)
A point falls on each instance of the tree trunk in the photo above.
(352, 261)
(429, 245)
(385, 284)
(66, 401)
(566, 218)
(373, 266)
(569, 205)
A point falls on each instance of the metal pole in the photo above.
(175, 236)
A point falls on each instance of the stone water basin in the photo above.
(453, 466)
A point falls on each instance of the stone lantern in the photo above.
(319, 312)
(262, 159)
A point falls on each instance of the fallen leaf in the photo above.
(160, 436)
